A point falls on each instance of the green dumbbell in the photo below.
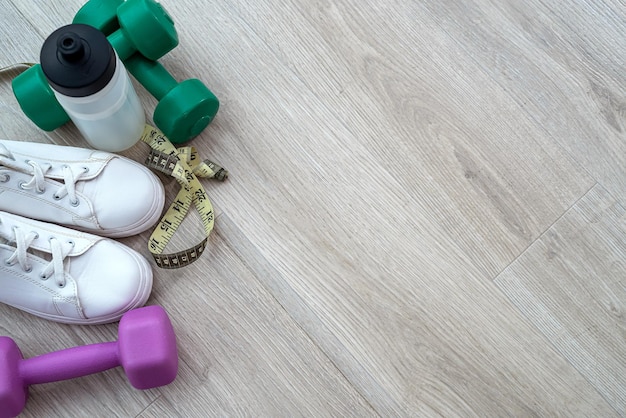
(37, 100)
(184, 108)
(101, 14)
(131, 26)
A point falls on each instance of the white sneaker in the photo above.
(69, 276)
(93, 191)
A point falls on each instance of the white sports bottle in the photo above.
(91, 83)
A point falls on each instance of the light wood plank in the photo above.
(570, 284)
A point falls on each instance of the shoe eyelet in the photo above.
(86, 169)
(43, 277)
(28, 269)
(21, 185)
(5, 179)
(56, 197)
(75, 202)
(61, 285)
(9, 263)
(72, 243)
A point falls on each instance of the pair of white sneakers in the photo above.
(59, 208)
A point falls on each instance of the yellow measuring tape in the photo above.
(185, 166)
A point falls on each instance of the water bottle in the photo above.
(92, 85)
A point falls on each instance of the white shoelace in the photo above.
(38, 171)
(23, 241)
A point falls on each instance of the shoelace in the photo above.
(38, 171)
(23, 241)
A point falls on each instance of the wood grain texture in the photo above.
(410, 342)
(388, 162)
(236, 342)
(416, 100)
(570, 284)
(563, 63)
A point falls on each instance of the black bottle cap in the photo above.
(77, 60)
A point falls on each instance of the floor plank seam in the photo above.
(149, 405)
(529, 246)
(549, 342)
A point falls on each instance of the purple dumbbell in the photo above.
(146, 349)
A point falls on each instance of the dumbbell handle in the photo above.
(69, 363)
(152, 75)
(121, 45)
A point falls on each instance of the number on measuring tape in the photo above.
(184, 165)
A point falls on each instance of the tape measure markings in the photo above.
(182, 258)
(185, 166)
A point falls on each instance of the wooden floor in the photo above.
(425, 214)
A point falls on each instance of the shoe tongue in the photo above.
(37, 253)
(80, 186)
(78, 265)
